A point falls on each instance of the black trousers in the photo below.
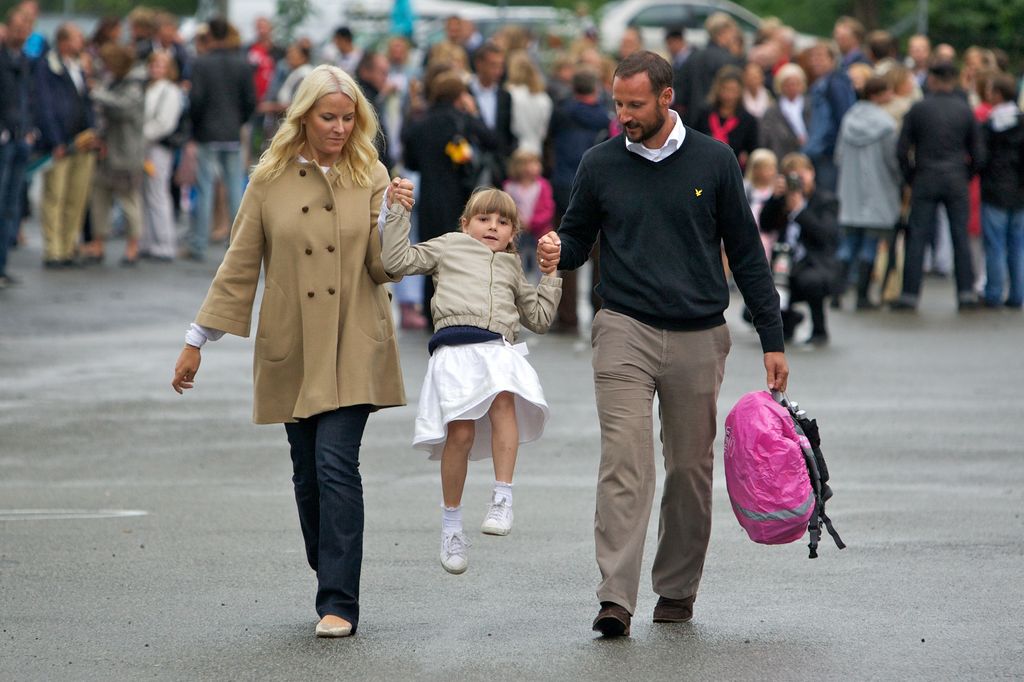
(927, 194)
(329, 494)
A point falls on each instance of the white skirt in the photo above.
(462, 382)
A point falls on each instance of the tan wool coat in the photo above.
(325, 338)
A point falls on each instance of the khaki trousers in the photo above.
(633, 362)
(66, 188)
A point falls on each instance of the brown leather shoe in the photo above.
(674, 610)
(612, 620)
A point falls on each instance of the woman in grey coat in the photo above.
(122, 157)
(869, 183)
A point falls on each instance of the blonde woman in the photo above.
(325, 354)
(531, 104)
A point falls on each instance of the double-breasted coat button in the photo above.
(305, 209)
(310, 294)
(302, 173)
(330, 249)
(331, 291)
(329, 207)
(309, 252)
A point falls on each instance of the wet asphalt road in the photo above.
(922, 418)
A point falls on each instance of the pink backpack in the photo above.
(774, 471)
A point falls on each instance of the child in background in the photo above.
(535, 201)
(759, 184)
(480, 396)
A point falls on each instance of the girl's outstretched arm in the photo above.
(537, 305)
(398, 255)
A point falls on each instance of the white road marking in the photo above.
(66, 514)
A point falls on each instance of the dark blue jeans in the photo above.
(13, 160)
(329, 494)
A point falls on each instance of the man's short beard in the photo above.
(647, 133)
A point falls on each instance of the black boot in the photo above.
(864, 271)
(841, 284)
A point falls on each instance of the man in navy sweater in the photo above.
(662, 198)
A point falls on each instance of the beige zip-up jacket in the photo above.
(473, 286)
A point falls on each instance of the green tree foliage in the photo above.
(989, 23)
(290, 14)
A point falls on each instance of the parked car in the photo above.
(654, 17)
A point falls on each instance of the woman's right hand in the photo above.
(185, 369)
(467, 104)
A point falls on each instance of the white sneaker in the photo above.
(453, 552)
(499, 517)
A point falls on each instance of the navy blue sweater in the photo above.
(661, 227)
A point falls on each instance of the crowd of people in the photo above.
(913, 157)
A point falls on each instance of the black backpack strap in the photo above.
(814, 530)
(832, 531)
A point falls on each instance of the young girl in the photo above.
(534, 199)
(759, 185)
(479, 396)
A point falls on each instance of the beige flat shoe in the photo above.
(333, 626)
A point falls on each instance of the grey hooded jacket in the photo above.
(869, 173)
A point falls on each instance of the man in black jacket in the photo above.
(662, 199)
(495, 106)
(699, 70)
(223, 98)
(939, 150)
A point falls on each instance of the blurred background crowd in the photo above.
(870, 161)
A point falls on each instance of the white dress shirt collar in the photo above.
(671, 146)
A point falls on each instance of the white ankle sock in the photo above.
(451, 519)
(503, 490)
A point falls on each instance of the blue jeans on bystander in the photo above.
(1003, 230)
(223, 160)
(13, 160)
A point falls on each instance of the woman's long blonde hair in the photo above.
(359, 153)
(522, 71)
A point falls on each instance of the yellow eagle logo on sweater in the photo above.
(698, 192)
